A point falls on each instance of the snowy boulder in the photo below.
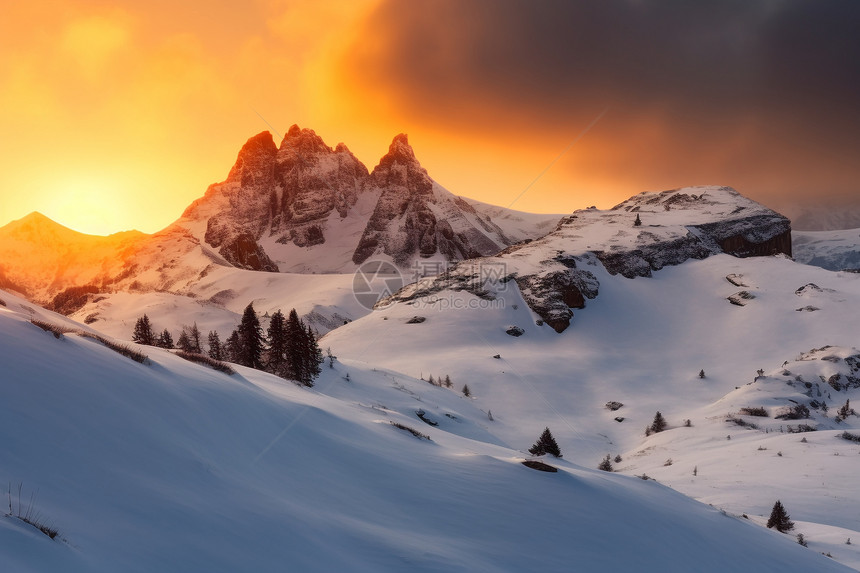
(740, 298)
(515, 331)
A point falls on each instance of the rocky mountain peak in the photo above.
(303, 141)
(400, 154)
(254, 160)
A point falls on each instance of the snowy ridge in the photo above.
(832, 250)
(634, 238)
(301, 207)
(173, 466)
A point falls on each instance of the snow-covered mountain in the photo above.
(39, 257)
(640, 235)
(307, 207)
(833, 250)
(303, 207)
(172, 466)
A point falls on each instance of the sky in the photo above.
(116, 115)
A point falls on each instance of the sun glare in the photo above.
(88, 206)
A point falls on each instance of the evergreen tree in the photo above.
(845, 411)
(294, 351)
(216, 349)
(702, 373)
(165, 340)
(638, 221)
(232, 348)
(313, 356)
(251, 343)
(143, 331)
(545, 444)
(606, 464)
(303, 354)
(659, 423)
(184, 343)
(448, 383)
(432, 380)
(276, 337)
(779, 519)
(466, 392)
(194, 339)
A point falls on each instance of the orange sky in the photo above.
(117, 115)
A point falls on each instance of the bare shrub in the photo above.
(797, 412)
(754, 411)
(26, 511)
(123, 349)
(741, 422)
(412, 431)
(850, 437)
(206, 361)
(56, 329)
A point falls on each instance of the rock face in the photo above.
(307, 201)
(674, 226)
(678, 225)
(285, 193)
(414, 217)
(301, 207)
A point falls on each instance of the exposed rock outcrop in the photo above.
(673, 226)
(414, 217)
(304, 195)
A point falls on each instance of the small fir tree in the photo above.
(659, 423)
(194, 338)
(276, 362)
(702, 373)
(845, 410)
(638, 221)
(779, 519)
(232, 347)
(189, 339)
(216, 349)
(545, 444)
(143, 331)
(184, 344)
(448, 383)
(165, 340)
(466, 392)
(606, 464)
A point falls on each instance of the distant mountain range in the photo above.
(302, 207)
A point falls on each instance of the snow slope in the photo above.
(833, 250)
(324, 301)
(171, 466)
(643, 342)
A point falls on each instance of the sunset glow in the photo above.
(117, 116)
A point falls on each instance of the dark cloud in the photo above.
(786, 75)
